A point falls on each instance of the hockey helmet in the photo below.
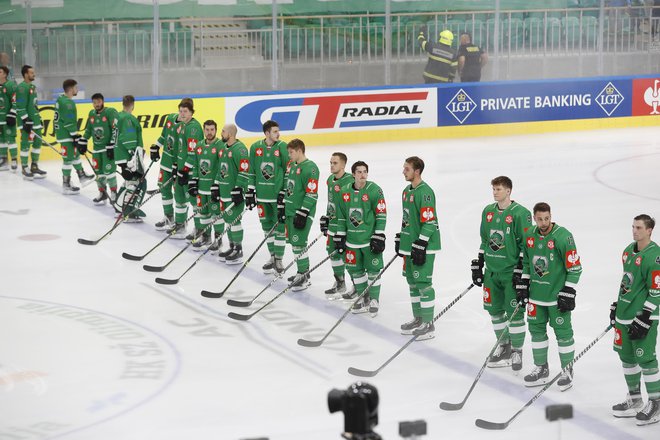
(446, 37)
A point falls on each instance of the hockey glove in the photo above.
(193, 187)
(477, 268)
(613, 313)
(110, 151)
(81, 144)
(281, 211)
(237, 195)
(418, 252)
(377, 243)
(324, 222)
(27, 125)
(397, 244)
(566, 299)
(154, 153)
(280, 198)
(182, 177)
(340, 243)
(522, 291)
(215, 193)
(300, 220)
(250, 199)
(641, 325)
(126, 173)
(517, 272)
(11, 118)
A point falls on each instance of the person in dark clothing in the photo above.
(441, 67)
(471, 59)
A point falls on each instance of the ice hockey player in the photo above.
(166, 141)
(417, 243)
(503, 224)
(72, 145)
(127, 151)
(189, 135)
(551, 270)
(635, 319)
(296, 205)
(360, 235)
(100, 128)
(202, 177)
(7, 121)
(268, 162)
(336, 181)
(27, 111)
(230, 186)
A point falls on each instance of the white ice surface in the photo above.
(92, 348)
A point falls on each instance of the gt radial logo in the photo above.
(461, 106)
(609, 99)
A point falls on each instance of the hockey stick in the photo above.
(270, 232)
(372, 373)
(308, 343)
(48, 144)
(176, 280)
(240, 317)
(137, 186)
(494, 425)
(149, 268)
(142, 257)
(236, 303)
(456, 406)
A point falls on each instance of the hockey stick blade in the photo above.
(451, 406)
(153, 268)
(166, 281)
(88, 242)
(235, 303)
(308, 343)
(361, 373)
(132, 257)
(239, 317)
(485, 424)
(209, 294)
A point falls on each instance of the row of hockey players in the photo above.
(534, 270)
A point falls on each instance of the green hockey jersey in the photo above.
(128, 135)
(206, 165)
(420, 218)
(27, 105)
(167, 141)
(7, 98)
(550, 262)
(233, 169)
(100, 127)
(189, 137)
(640, 284)
(65, 119)
(361, 213)
(302, 188)
(267, 168)
(502, 235)
(334, 197)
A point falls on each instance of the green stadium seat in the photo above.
(514, 33)
(571, 31)
(590, 30)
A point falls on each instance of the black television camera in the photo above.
(359, 403)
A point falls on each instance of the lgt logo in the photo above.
(461, 106)
(609, 99)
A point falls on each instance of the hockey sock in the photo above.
(66, 168)
(566, 350)
(235, 233)
(539, 348)
(360, 280)
(77, 164)
(427, 301)
(280, 241)
(633, 374)
(219, 228)
(499, 321)
(517, 329)
(651, 378)
(36, 146)
(112, 182)
(25, 150)
(13, 150)
(415, 298)
(374, 291)
(3, 150)
(100, 182)
(303, 263)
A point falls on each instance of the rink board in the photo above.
(359, 115)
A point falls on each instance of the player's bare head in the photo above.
(5, 72)
(229, 132)
(413, 167)
(502, 181)
(358, 164)
(642, 227)
(271, 130)
(502, 186)
(210, 129)
(97, 101)
(128, 102)
(27, 72)
(543, 217)
(296, 149)
(186, 110)
(416, 163)
(338, 162)
(360, 171)
(70, 85)
(541, 207)
(649, 222)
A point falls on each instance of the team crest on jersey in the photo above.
(259, 152)
(355, 216)
(551, 244)
(267, 170)
(626, 283)
(229, 154)
(224, 170)
(381, 207)
(540, 264)
(337, 188)
(624, 257)
(244, 165)
(350, 257)
(204, 167)
(297, 170)
(496, 240)
(572, 259)
(489, 217)
(405, 220)
(312, 186)
(261, 211)
(365, 197)
(332, 211)
(98, 134)
(104, 119)
(531, 310)
(277, 153)
(618, 339)
(412, 198)
(509, 219)
(290, 185)
(638, 261)
(199, 151)
(426, 214)
(487, 298)
(655, 279)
